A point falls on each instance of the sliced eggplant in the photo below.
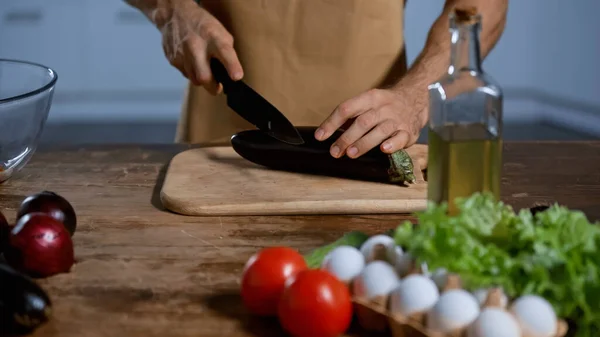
(313, 157)
(24, 305)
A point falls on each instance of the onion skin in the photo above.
(53, 204)
(24, 305)
(40, 246)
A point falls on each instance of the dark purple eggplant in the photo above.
(313, 157)
(24, 305)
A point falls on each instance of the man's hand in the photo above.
(191, 37)
(378, 116)
(394, 117)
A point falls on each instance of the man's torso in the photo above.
(304, 56)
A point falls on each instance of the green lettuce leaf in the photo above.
(554, 254)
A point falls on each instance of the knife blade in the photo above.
(254, 108)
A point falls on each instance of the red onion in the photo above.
(52, 204)
(40, 246)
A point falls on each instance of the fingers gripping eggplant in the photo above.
(313, 157)
(24, 305)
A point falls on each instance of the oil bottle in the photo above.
(465, 120)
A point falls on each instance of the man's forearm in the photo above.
(433, 61)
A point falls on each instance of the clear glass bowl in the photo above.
(26, 91)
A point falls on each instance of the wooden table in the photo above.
(142, 271)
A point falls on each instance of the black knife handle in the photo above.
(220, 73)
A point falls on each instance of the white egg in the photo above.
(482, 294)
(415, 294)
(393, 251)
(344, 262)
(494, 322)
(404, 264)
(455, 309)
(440, 278)
(378, 278)
(425, 269)
(535, 316)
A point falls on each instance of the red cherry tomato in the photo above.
(315, 304)
(264, 278)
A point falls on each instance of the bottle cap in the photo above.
(465, 15)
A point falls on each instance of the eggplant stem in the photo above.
(401, 168)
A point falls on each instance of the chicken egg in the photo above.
(535, 316)
(415, 294)
(494, 322)
(455, 309)
(404, 264)
(344, 262)
(482, 294)
(378, 278)
(440, 278)
(393, 251)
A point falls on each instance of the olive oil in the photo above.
(465, 120)
(463, 159)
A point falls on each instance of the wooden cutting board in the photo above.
(217, 181)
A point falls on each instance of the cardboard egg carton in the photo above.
(373, 314)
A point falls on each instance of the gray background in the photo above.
(116, 86)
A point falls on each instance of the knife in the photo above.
(251, 106)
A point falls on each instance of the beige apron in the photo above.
(304, 56)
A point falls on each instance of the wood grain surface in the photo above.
(217, 181)
(143, 271)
